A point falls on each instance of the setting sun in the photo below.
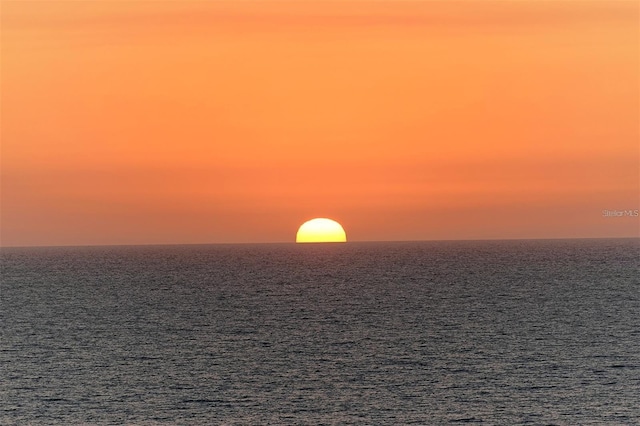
(321, 230)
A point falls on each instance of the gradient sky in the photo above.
(144, 122)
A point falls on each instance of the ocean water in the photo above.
(484, 332)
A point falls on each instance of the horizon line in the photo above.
(295, 243)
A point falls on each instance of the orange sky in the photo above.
(135, 122)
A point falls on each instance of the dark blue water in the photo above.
(493, 332)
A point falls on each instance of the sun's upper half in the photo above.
(321, 230)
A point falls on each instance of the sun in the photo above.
(321, 230)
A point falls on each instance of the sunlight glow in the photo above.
(321, 230)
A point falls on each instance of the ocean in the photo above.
(543, 332)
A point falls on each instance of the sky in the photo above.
(165, 122)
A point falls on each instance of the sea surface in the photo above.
(543, 332)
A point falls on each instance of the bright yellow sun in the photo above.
(321, 230)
